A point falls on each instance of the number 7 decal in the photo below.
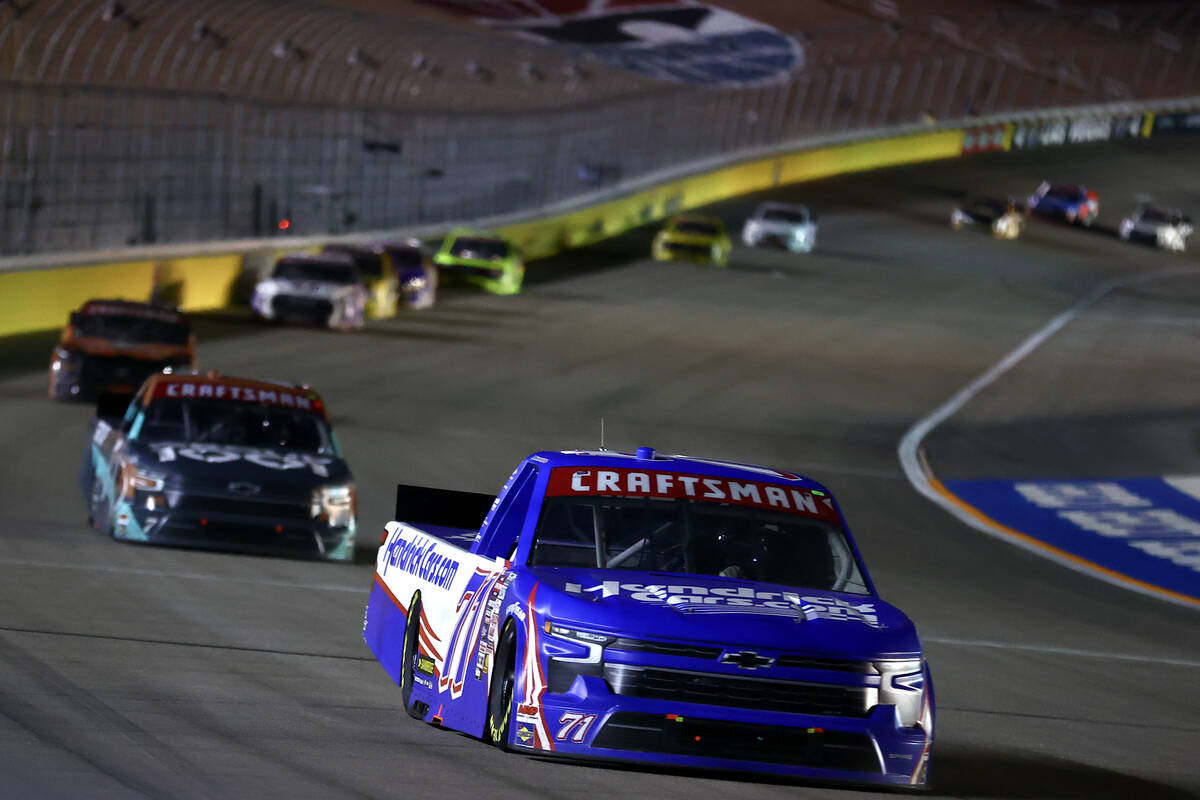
(575, 725)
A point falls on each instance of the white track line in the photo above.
(1065, 651)
(186, 576)
(910, 445)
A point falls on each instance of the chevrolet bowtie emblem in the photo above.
(747, 659)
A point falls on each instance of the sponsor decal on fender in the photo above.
(625, 482)
(419, 556)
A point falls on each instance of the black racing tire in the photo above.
(500, 690)
(412, 632)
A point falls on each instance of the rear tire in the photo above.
(499, 716)
(412, 631)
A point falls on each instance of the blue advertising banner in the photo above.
(1145, 529)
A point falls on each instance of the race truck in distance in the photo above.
(377, 275)
(216, 462)
(324, 289)
(999, 216)
(1168, 229)
(652, 609)
(486, 260)
(414, 270)
(692, 237)
(111, 346)
(782, 225)
(1067, 202)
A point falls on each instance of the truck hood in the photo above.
(318, 289)
(723, 611)
(680, 237)
(778, 226)
(201, 464)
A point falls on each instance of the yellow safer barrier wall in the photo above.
(42, 299)
(544, 237)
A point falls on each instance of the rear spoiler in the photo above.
(446, 508)
(111, 406)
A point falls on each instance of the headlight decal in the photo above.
(902, 684)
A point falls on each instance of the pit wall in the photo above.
(39, 297)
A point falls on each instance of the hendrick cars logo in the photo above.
(676, 40)
(419, 556)
(243, 488)
(694, 599)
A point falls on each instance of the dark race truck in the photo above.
(111, 346)
(225, 463)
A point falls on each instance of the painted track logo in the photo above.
(676, 40)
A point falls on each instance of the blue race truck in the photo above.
(654, 609)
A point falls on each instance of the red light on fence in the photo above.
(284, 224)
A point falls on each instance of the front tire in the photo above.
(99, 514)
(412, 631)
(499, 716)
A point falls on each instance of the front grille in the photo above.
(832, 664)
(314, 308)
(666, 649)
(690, 249)
(474, 272)
(772, 744)
(265, 510)
(796, 697)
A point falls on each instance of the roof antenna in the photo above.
(602, 433)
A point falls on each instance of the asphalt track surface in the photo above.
(132, 671)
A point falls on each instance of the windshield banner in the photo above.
(306, 401)
(624, 482)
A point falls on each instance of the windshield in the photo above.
(698, 228)
(131, 329)
(321, 272)
(404, 258)
(695, 538)
(368, 263)
(236, 423)
(794, 216)
(1066, 192)
(479, 248)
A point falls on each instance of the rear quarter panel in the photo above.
(461, 595)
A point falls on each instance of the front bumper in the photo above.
(96, 375)
(297, 309)
(224, 526)
(872, 749)
(679, 251)
(792, 240)
(500, 279)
